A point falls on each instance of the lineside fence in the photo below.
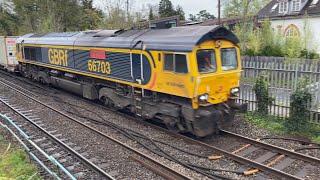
(283, 77)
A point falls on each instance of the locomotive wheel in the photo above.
(228, 115)
(110, 104)
(173, 124)
(173, 128)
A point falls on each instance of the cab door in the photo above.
(137, 74)
(175, 78)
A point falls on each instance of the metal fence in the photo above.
(283, 78)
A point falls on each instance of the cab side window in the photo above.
(168, 62)
(176, 63)
(181, 63)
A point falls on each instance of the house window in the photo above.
(283, 7)
(274, 7)
(292, 31)
(296, 5)
(176, 63)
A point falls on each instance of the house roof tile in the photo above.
(267, 11)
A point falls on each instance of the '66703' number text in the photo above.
(99, 66)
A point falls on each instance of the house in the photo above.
(229, 22)
(174, 21)
(165, 23)
(294, 18)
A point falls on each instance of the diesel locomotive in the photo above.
(185, 77)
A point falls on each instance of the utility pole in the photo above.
(127, 4)
(219, 11)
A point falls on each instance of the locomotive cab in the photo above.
(218, 74)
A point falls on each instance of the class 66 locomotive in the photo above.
(184, 77)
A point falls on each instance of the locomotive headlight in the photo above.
(235, 91)
(203, 98)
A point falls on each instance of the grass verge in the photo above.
(15, 163)
(277, 126)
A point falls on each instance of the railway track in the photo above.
(280, 157)
(273, 162)
(145, 160)
(273, 156)
(72, 164)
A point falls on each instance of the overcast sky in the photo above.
(189, 6)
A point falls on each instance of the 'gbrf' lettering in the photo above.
(58, 57)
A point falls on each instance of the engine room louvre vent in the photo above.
(108, 33)
(62, 34)
(38, 35)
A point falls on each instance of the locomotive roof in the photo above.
(180, 39)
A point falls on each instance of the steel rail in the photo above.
(18, 87)
(72, 151)
(234, 157)
(29, 151)
(167, 168)
(165, 175)
(271, 147)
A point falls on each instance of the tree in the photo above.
(152, 11)
(87, 4)
(8, 21)
(193, 17)
(180, 12)
(34, 16)
(203, 15)
(166, 8)
(116, 16)
(242, 7)
(92, 17)
(151, 15)
(48, 15)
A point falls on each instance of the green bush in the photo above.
(298, 120)
(262, 95)
(304, 53)
(270, 50)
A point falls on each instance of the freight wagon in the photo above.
(8, 59)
